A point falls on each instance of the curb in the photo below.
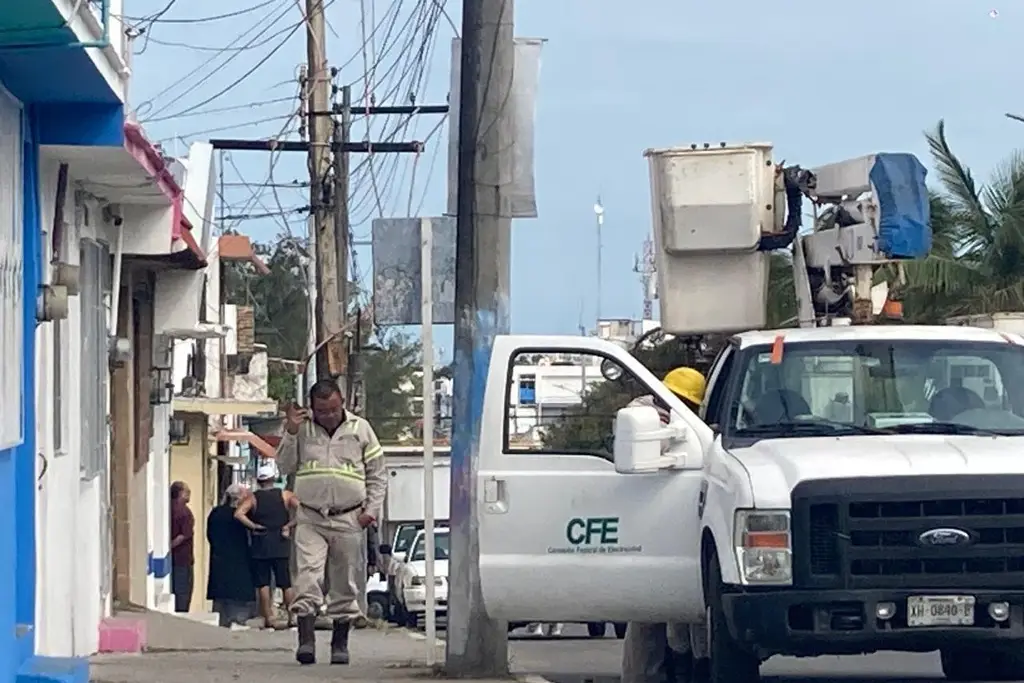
(525, 678)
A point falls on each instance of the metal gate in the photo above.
(95, 302)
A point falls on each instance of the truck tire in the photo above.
(620, 629)
(378, 606)
(968, 664)
(730, 663)
(596, 629)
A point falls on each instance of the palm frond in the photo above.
(957, 181)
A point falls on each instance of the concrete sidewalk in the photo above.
(191, 652)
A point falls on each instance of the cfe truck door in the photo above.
(563, 536)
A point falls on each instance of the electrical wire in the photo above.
(199, 20)
(220, 110)
(266, 23)
(415, 65)
(243, 124)
(255, 67)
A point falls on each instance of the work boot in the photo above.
(305, 653)
(339, 642)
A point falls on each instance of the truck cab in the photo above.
(843, 490)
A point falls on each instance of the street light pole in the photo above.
(599, 215)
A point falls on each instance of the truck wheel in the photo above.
(730, 663)
(620, 629)
(967, 664)
(377, 606)
(596, 629)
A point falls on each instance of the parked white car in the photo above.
(411, 578)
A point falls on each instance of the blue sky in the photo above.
(822, 81)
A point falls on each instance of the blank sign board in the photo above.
(404, 501)
(397, 258)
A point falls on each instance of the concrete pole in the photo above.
(477, 647)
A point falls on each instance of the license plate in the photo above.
(940, 610)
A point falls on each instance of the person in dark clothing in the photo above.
(183, 525)
(230, 585)
(269, 515)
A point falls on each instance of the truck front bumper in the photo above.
(819, 622)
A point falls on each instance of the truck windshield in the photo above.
(405, 535)
(419, 551)
(907, 386)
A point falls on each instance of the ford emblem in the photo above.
(944, 537)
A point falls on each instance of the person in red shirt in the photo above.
(183, 525)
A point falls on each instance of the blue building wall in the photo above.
(71, 105)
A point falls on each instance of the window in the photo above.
(442, 548)
(12, 332)
(900, 386)
(574, 407)
(406, 535)
(527, 390)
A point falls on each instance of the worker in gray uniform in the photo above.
(340, 483)
(666, 653)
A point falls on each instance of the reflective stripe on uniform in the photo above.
(373, 452)
(313, 469)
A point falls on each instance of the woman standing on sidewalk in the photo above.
(230, 585)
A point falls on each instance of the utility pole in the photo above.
(329, 313)
(476, 646)
(341, 134)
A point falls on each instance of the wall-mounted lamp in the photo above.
(178, 432)
(162, 392)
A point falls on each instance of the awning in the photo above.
(135, 176)
(152, 159)
(205, 405)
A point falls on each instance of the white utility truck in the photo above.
(842, 490)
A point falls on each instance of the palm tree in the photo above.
(781, 290)
(977, 260)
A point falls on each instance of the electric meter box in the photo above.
(710, 206)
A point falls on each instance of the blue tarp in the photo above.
(904, 228)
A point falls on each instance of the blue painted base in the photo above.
(54, 670)
(160, 567)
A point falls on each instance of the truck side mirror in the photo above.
(384, 549)
(639, 435)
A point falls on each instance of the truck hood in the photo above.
(777, 465)
(419, 568)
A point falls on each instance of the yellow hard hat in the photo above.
(686, 383)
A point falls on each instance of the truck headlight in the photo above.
(422, 581)
(764, 548)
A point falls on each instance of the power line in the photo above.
(199, 20)
(267, 22)
(220, 110)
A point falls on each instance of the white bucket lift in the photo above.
(719, 211)
(710, 206)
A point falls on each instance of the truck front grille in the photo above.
(862, 533)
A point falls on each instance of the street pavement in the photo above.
(197, 653)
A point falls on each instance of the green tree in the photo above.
(391, 382)
(977, 260)
(781, 290)
(280, 305)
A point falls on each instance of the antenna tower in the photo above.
(644, 266)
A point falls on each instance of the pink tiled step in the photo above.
(118, 634)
